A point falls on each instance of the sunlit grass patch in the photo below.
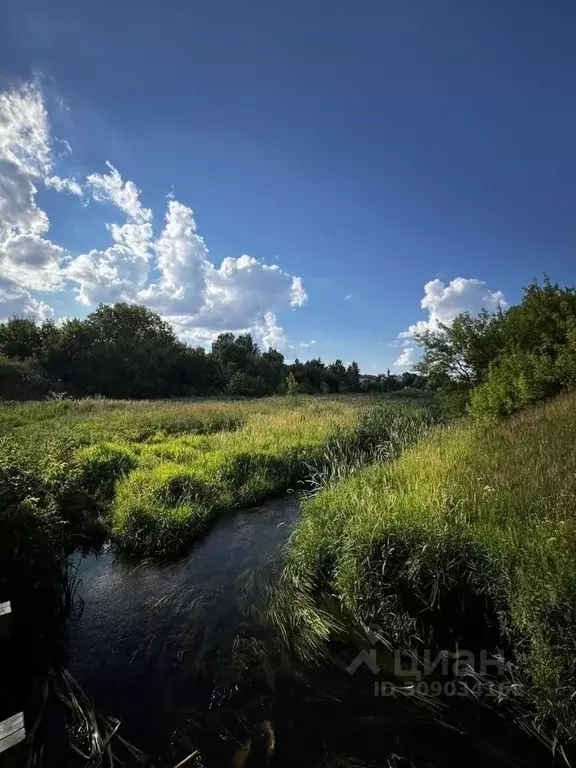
(157, 510)
(277, 448)
(99, 466)
(123, 461)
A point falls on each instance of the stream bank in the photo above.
(182, 654)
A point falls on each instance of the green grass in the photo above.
(469, 539)
(158, 472)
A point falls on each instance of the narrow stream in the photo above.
(182, 655)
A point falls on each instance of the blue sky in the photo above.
(369, 149)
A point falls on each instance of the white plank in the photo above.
(12, 740)
(5, 608)
(14, 723)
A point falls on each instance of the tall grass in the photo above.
(182, 483)
(468, 538)
(156, 473)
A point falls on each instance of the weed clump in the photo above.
(159, 510)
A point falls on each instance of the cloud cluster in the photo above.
(171, 272)
(120, 271)
(444, 302)
(406, 358)
(27, 260)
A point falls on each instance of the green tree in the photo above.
(66, 357)
(390, 382)
(195, 372)
(338, 376)
(22, 380)
(132, 351)
(314, 374)
(20, 338)
(464, 350)
(273, 370)
(120, 351)
(353, 377)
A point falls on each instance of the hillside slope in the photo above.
(469, 538)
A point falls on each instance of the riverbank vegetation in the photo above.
(153, 474)
(468, 539)
(150, 476)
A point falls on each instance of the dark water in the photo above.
(181, 653)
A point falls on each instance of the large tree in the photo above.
(20, 338)
(121, 351)
(353, 377)
(464, 350)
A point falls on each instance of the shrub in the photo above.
(454, 398)
(517, 380)
(20, 489)
(22, 380)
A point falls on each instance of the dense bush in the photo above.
(505, 361)
(516, 381)
(22, 380)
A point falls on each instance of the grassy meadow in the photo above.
(153, 474)
(468, 538)
(443, 535)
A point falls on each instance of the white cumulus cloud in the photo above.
(406, 359)
(444, 302)
(170, 272)
(19, 213)
(27, 260)
(32, 262)
(24, 130)
(14, 300)
(71, 186)
(116, 273)
(107, 276)
(182, 261)
(270, 334)
(298, 296)
(110, 188)
(201, 299)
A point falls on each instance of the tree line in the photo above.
(494, 364)
(128, 351)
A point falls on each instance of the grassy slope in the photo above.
(163, 468)
(470, 536)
